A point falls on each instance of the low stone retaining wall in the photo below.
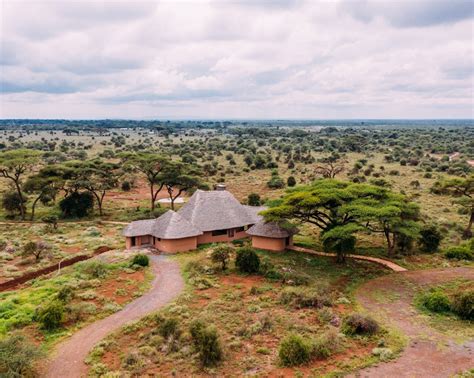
(9, 285)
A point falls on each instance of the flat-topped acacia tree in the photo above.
(14, 165)
(343, 208)
(151, 165)
(180, 177)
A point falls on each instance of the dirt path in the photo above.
(68, 359)
(385, 263)
(429, 353)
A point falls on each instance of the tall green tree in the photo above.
(44, 187)
(14, 165)
(179, 177)
(97, 177)
(462, 190)
(392, 215)
(151, 166)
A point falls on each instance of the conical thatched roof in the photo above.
(168, 226)
(215, 210)
(270, 230)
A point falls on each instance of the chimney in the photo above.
(219, 186)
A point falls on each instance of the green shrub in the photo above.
(18, 357)
(294, 350)
(206, 342)
(254, 199)
(430, 237)
(459, 253)
(168, 327)
(93, 268)
(358, 324)
(141, 260)
(435, 301)
(221, 255)
(50, 316)
(65, 294)
(463, 305)
(303, 297)
(327, 344)
(247, 260)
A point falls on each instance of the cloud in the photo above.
(411, 13)
(268, 59)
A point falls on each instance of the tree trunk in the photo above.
(20, 195)
(390, 244)
(467, 234)
(33, 207)
(152, 191)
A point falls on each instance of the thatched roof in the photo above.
(168, 226)
(215, 210)
(270, 230)
(253, 211)
(139, 228)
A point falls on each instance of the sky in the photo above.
(282, 59)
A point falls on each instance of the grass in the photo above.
(17, 308)
(447, 322)
(250, 319)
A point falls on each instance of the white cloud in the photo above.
(263, 59)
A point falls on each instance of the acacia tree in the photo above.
(151, 165)
(340, 209)
(97, 177)
(322, 203)
(462, 189)
(392, 215)
(45, 188)
(178, 178)
(13, 166)
(330, 166)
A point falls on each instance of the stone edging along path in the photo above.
(68, 358)
(376, 260)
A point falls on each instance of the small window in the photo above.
(219, 232)
(230, 233)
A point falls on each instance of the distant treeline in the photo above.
(73, 126)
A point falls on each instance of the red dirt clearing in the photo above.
(430, 353)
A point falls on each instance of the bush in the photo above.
(435, 301)
(459, 253)
(93, 268)
(65, 294)
(430, 237)
(294, 350)
(221, 254)
(327, 344)
(140, 259)
(18, 357)
(254, 199)
(168, 327)
(247, 260)
(276, 182)
(206, 342)
(301, 298)
(50, 316)
(77, 205)
(463, 305)
(291, 181)
(12, 203)
(358, 324)
(126, 186)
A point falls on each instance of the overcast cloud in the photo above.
(253, 59)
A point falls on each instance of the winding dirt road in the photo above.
(68, 359)
(429, 353)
